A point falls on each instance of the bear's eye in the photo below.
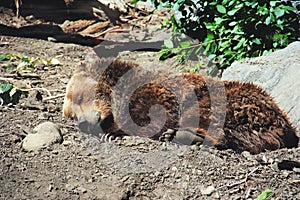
(80, 100)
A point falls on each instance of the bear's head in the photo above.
(79, 103)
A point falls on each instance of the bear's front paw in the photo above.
(187, 137)
(181, 136)
(168, 135)
(108, 137)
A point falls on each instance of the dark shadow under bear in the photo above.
(120, 98)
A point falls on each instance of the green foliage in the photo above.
(230, 30)
(264, 195)
(10, 94)
(24, 63)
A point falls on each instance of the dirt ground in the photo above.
(82, 167)
(135, 168)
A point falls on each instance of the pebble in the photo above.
(66, 143)
(80, 190)
(297, 170)
(246, 154)
(207, 191)
(174, 168)
(285, 173)
(70, 187)
(44, 135)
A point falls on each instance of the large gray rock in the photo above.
(44, 135)
(278, 73)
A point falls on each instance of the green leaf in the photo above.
(210, 36)
(265, 52)
(268, 20)
(185, 44)
(5, 87)
(168, 43)
(233, 11)
(225, 44)
(264, 194)
(251, 3)
(278, 12)
(256, 41)
(289, 8)
(237, 30)
(233, 23)
(207, 48)
(210, 26)
(26, 59)
(277, 36)
(134, 1)
(165, 23)
(221, 9)
(219, 20)
(272, 3)
(5, 56)
(164, 54)
(212, 56)
(176, 50)
(240, 44)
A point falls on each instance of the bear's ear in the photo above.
(94, 66)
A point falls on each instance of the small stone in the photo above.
(30, 17)
(216, 195)
(207, 191)
(157, 174)
(285, 173)
(174, 168)
(181, 154)
(66, 143)
(52, 108)
(44, 116)
(15, 138)
(195, 147)
(264, 159)
(297, 170)
(70, 187)
(271, 160)
(45, 135)
(55, 152)
(80, 190)
(246, 154)
(50, 188)
(124, 179)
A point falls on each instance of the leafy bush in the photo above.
(230, 30)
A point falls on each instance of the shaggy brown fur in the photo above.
(122, 98)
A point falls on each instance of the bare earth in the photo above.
(82, 167)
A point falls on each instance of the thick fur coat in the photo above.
(119, 98)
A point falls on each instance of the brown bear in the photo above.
(113, 98)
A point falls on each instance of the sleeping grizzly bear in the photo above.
(114, 98)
